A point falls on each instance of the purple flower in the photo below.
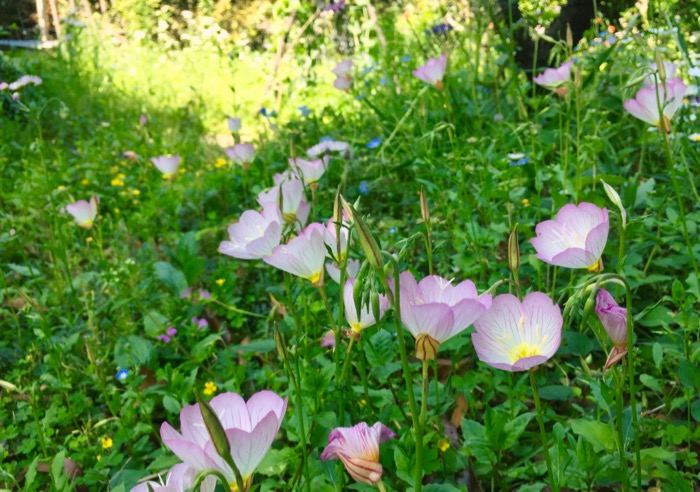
(440, 29)
(200, 322)
(335, 7)
(169, 333)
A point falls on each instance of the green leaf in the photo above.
(132, 350)
(275, 462)
(556, 392)
(171, 404)
(695, 410)
(689, 374)
(651, 383)
(597, 433)
(514, 429)
(381, 349)
(171, 277)
(255, 347)
(657, 351)
(154, 323)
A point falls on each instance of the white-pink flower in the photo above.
(434, 310)
(25, 80)
(180, 478)
(234, 124)
(351, 270)
(255, 234)
(304, 256)
(649, 99)
(343, 79)
(327, 146)
(358, 448)
(167, 164)
(366, 318)
(554, 77)
(575, 238)
(84, 212)
(515, 336)
(433, 71)
(242, 153)
(654, 78)
(250, 427)
(310, 171)
(295, 209)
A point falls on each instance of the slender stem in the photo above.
(619, 382)
(237, 310)
(540, 420)
(420, 430)
(633, 393)
(380, 486)
(346, 362)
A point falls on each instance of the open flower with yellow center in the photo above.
(304, 256)
(646, 103)
(552, 78)
(250, 428)
(433, 71)
(84, 212)
(167, 164)
(515, 336)
(435, 310)
(295, 209)
(366, 318)
(255, 234)
(575, 238)
(309, 170)
(358, 448)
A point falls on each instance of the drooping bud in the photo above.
(214, 428)
(426, 347)
(357, 296)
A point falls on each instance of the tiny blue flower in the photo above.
(373, 144)
(611, 39)
(360, 97)
(122, 374)
(263, 111)
(266, 113)
(520, 162)
(364, 188)
(325, 139)
(440, 29)
(369, 69)
(602, 33)
(406, 58)
(392, 230)
(382, 81)
(305, 111)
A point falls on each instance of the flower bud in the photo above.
(214, 428)
(367, 241)
(615, 198)
(426, 347)
(514, 253)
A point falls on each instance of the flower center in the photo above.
(523, 351)
(596, 267)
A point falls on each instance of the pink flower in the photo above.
(250, 428)
(554, 77)
(167, 164)
(255, 235)
(234, 124)
(366, 318)
(515, 337)
(433, 71)
(327, 146)
(614, 320)
(303, 256)
(343, 71)
(25, 80)
(575, 238)
(342, 83)
(170, 332)
(358, 448)
(435, 310)
(242, 153)
(351, 270)
(328, 339)
(309, 171)
(4, 85)
(653, 78)
(84, 212)
(645, 105)
(331, 238)
(295, 209)
(180, 479)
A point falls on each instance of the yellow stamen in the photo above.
(596, 267)
(523, 351)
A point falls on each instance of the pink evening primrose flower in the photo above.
(515, 336)
(327, 146)
(351, 270)
(310, 171)
(575, 238)
(250, 428)
(669, 71)
(84, 212)
(331, 238)
(366, 318)
(242, 153)
(342, 83)
(343, 69)
(645, 105)
(303, 256)
(255, 234)
(434, 310)
(554, 77)
(614, 320)
(358, 448)
(433, 71)
(167, 164)
(295, 208)
(180, 479)
(234, 124)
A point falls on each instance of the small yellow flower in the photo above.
(136, 192)
(444, 444)
(122, 193)
(363, 403)
(135, 202)
(209, 388)
(60, 187)
(472, 140)
(117, 182)
(121, 176)
(106, 442)
(220, 281)
(220, 162)
(116, 210)
(525, 202)
(99, 457)
(84, 182)
(114, 169)
(198, 173)
(89, 239)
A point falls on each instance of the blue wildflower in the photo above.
(382, 81)
(406, 58)
(440, 29)
(325, 139)
(305, 111)
(520, 162)
(392, 230)
(122, 374)
(364, 188)
(266, 113)
(373, 144)
(611, 39)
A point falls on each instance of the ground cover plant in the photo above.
(358, 248)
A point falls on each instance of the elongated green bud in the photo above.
(367, 241)
(214, 427)
(514, 253)
(424, 211)
(357, 295)
(279, 343)
(374, 301)
(337, 220)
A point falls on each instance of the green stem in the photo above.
(346, 362)
(633, 393)
(420, 430)
(540, 420)
(619, 381)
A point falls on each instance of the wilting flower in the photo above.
(555, 77)
(645, 105)
(435, 310)
(294, 208)
(614, 320)
(575, 238)
(358, 448)
(250, 428)
(366, 318)
(234, 124)
(351, 270)
(327, 145)
(255, 234)
(515, 336)
(167, 164)
(180, 478)
(309, 171)
(303, 256)
(84, 212)
(242, 153)
(433, 71)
